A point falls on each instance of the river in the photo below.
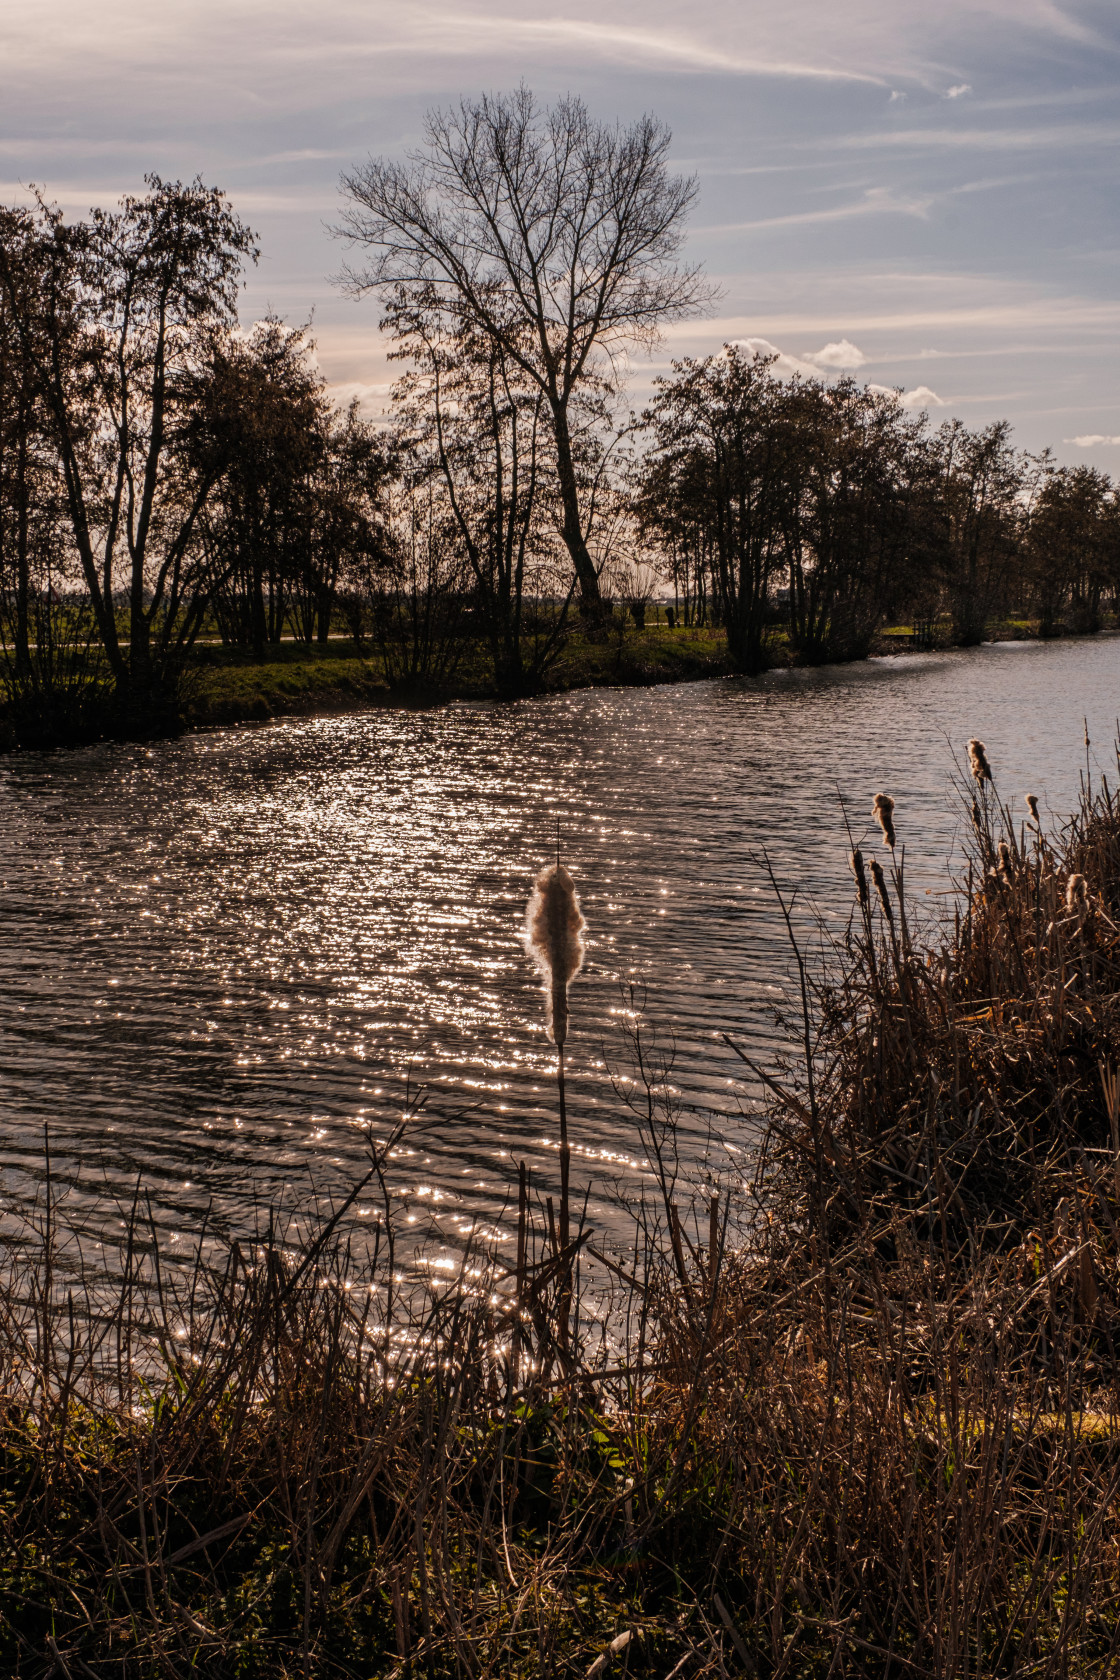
(226, 958)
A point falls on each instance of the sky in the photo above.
(923, 192)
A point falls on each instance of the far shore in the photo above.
(223, 687)
(296, 679)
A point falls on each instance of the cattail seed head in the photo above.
(855, 862)
(554, 927)
(1077, 893)
(978, 761)
(1032, 805)
(883, 812)
(1005, 863)
(881, 888)
(977, 821)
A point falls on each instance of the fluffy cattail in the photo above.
(978, 760)
(855, 862)
(883, 812)
(1077, 893)
(554, 938)
(881, 888)
(977, 821)
(1005, 864)
(1032, 805)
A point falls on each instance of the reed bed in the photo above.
(860, 1419)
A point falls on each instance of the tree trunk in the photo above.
(590, 595)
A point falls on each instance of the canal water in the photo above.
(226, 960)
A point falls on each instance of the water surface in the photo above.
(224, 958)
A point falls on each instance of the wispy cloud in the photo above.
(1090, 440)
(308, 154)
(1043, 138)
(959, 91)
(876, 201)
(476, 32)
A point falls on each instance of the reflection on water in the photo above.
(224, 956)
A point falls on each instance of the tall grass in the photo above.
(861, 1421)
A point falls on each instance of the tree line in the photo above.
(830, 510)
(168, 478)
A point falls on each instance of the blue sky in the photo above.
(926, 193)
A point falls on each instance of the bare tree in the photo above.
(554, 236)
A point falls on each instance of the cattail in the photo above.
(1077, 893)
(883, 812)
(978, 760)
(977, 820)
(554, 938)
(855, 862)
(1032, 805)
(1004, 863)
(881, 888)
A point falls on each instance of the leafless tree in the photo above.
(554, 235)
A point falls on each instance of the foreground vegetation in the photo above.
(859, 1416)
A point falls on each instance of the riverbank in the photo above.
(222, 686)
(858, 1416)
(297, 680)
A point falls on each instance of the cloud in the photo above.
(840, 353)
(922, 397)
(959, 91)
(785, 364)
(668, 47)
(876, 201)
(1089, 440)
(1042, 138)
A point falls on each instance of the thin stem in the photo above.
(565, 1300)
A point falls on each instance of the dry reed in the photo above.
(554, 927)
(883, 812)
(978, 761)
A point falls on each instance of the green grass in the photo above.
(224, 686)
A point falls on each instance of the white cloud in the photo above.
(1088, 440)
(896, 97)
(840, 353)
(837, 355)
(959, 91)
(785, 364)
(922, 397)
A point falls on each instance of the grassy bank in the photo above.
(296, 680)
(860, 1417)
(222, 686)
